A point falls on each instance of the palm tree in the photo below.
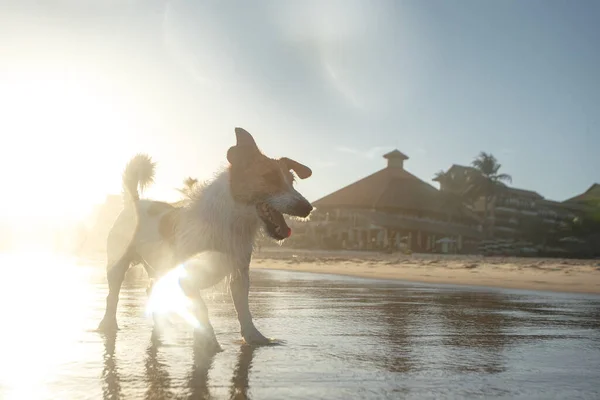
(189, 185)
(486, 182)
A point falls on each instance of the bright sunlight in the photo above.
(53, 123)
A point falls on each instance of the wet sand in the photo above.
(560, 275)
(340, 338)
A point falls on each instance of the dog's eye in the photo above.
(272, 177)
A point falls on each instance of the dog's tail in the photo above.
(138, 174)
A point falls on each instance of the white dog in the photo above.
(221, 217)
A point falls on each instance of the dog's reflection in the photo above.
(197, 380)
(110, 374)
(158, 380)
(157, 377)
(239, 380)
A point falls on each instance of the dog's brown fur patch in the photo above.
(254, 176)
(168, 224)
(259, 178)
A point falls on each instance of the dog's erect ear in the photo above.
(238, 155)
(244, 149)
(244, 138)
(302, 170)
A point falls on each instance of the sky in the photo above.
(86, 84)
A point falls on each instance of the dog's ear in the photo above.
(244, 138)
(301, 170)
(244, 149)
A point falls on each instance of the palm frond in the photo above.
(504, 178)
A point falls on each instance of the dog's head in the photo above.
(267, 184)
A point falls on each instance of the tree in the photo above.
(487, 182)
(189, 185)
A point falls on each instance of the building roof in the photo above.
(462, 170)
(457, 171)
(592, 193)
(562, 205)
(391, 188)
(523, 192)
(395, 154)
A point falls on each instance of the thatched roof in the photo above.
(593, 193)
(392, 188)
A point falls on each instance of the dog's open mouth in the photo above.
(275, 224)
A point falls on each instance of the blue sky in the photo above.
(333, 84)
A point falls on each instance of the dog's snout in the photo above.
(303, 209)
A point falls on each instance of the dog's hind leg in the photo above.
(204, 334)
(115, 274)
(151, 277)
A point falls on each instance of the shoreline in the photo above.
(555, 275)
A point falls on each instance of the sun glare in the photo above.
(45, 304)
(167, 298)
(54, 124)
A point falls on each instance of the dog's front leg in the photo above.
(239, 286)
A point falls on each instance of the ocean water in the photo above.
(339, 338)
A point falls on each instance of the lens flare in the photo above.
(167, 298)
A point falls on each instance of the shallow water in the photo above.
(343, 338)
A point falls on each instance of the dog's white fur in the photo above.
(211, 221)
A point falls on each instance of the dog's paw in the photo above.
(253, 336)
(108, 325)
(207, 342)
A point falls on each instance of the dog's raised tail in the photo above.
(137, 176)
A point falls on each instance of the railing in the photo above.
(505, 228)
(529, 212)
(363, 219)
(505, 209)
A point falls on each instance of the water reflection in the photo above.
(158, 382)
(478, 331)
(239, 381)
(447, 332)
(345, 338)
(197, 381)
(157, 377)
(112, 387)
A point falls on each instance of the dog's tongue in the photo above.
(289, 232)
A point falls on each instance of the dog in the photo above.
(222, 217)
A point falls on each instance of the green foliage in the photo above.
(486, 181)
(488, 178)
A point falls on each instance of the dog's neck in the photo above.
(214, 221)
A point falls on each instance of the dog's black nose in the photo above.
(303, 209)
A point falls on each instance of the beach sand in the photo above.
(561, 275)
